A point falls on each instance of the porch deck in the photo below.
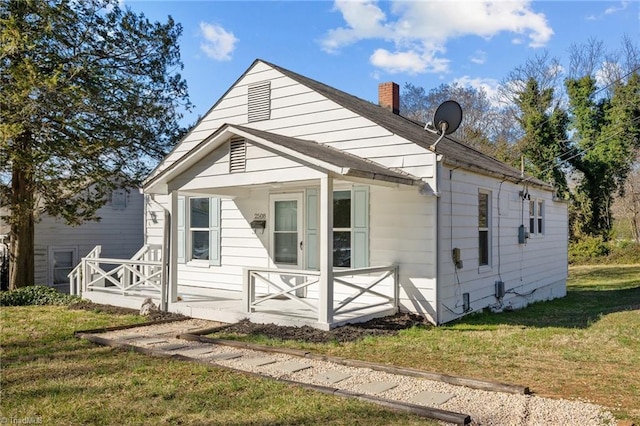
(228, 306)
(278, 296)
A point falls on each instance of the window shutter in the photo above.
(259, 101)
(360, 236)
(214, 231)
(180, 214)
(312, 229)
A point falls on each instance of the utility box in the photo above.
(500, 289)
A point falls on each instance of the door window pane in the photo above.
(286, 216)
(286, 247)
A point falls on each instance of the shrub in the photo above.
(35, 295)
(587, 249)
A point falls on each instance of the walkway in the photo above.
(425, 394)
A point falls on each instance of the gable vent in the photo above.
(237, 155)
(259, 101)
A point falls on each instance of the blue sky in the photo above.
(354, 45)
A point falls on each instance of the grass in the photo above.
(50, 377)
(585, 346)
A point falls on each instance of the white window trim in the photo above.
(536, 233)
(52, 249)
(489, 266)
(188, 250)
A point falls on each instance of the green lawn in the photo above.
(584, 346)
(49, 376)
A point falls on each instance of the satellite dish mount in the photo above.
(447, 119)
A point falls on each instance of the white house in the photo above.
(58, 247)
(296, 203)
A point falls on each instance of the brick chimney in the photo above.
(389, 96)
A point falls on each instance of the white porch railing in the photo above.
(141, 275)
(378, 285)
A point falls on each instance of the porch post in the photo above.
(173, 249)
(325, 314)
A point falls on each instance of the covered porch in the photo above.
(270, 228)
(366, 292)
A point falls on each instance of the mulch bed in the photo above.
(386, 326)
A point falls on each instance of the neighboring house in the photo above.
(59, 247)
(293, 202)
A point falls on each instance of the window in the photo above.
(342, 229)
(62, 260)
(536, 217)
(198, 236)
(199, 220)
(484, 224)
(119, 199)
(285, 232)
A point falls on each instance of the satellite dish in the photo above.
(448, 117)
(446, 120)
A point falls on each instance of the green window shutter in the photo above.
(360, 235)
(181, 230)
(312, 229)
(214, 231)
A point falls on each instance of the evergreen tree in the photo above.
(91, 99)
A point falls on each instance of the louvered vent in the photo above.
(237, 155)
(259, 101)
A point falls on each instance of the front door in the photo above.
(286, 222)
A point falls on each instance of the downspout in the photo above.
(436, 179)
(166, 262)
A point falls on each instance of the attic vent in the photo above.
(237, 155)
(259, 101)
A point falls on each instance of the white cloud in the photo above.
(419, 30)
(479, 57)
(410, 61)
(614, 9)
(217, 43)
(489, 85)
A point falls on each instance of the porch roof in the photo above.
(326, 158)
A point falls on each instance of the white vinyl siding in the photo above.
(297, 111)
(120, 232)
(517, 265)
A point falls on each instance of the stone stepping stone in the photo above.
(257, 361)
(225, 355)
(151, 340)
(375, 387)
(293, 366)
(198, 350)
(331, 376)
(431, 398)
(130, 337)
(173, 347)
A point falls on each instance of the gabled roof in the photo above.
(313, 154)
(454, 151)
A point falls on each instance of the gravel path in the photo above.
(484, 407)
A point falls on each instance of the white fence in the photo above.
(141, 275)
(354, 289)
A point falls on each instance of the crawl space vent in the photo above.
(259, 101)
(237, 155)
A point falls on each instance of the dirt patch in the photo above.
(86, 305)
(386, 326)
